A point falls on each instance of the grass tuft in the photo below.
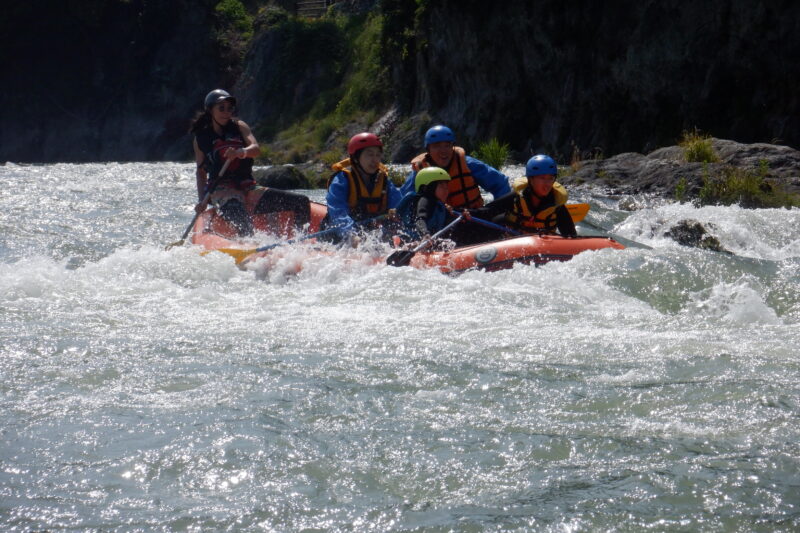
(698, 147)
(493, 153)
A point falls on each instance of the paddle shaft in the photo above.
(427, 242)
(210, 189)
(492, 225)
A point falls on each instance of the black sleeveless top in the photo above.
(240, 171)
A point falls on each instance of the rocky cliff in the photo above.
(119, 80)
(104, 80)
(617, 77)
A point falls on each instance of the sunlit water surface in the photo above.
(153, 390)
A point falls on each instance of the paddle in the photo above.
(577, 211)
(618, 238)
(403, 257)
(240, 254)
(209, 190)
(492, 225)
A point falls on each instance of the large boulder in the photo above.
(281, 177)
(660, 172)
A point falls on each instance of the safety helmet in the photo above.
(361, 141)
(429, 175)
(541, 164)
(438, 134)
(216, 96)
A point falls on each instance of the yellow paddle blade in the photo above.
(578, 211)
(237, 253)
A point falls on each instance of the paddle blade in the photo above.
(400, 258)
(578, 211)
(237, 253)
(174, 244)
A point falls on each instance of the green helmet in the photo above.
(429, 175)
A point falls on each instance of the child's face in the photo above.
(441, 192)
(542, 184)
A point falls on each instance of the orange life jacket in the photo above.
(526, 216)
(362, 201)
(463, 189)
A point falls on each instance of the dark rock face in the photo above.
(94, 81)
(627, 78)
(98, 80)
(281, 177)
(659, 172)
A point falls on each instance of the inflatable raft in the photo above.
(213, 233)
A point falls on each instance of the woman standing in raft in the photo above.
(219, 137)
(360, 189)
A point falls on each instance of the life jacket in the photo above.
(240, 171)
(527, 216)
(463, 189)
(362, 201)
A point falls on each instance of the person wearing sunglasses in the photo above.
(219, 138)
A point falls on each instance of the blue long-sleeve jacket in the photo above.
(339, 210)
(488, 178)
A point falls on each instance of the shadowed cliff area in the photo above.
(621, 77)
(120, 80)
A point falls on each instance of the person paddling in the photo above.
(220, 136)
(468, 174)
(360, 188)
(424, 212)
(538, 205)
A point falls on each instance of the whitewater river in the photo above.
(150, 390)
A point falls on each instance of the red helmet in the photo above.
(361, 141)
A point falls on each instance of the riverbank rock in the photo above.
(662, 171)
(281, 177)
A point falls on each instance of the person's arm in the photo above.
(408, 185)
(489, 178)
(250, 148)
(395, 195)
(502, 204)
(564, 222)
(422, 214)
(338, 209)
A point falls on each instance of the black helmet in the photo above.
(218, 95)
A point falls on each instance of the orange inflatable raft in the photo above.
(213, 233)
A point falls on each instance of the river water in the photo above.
(151, 390)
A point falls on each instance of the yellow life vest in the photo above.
(463, 189)
(362, 201)
(526, 216)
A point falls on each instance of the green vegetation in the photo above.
(338, 58)
(681, 190)
(232, 16)
(748, 188)
(234, 29)
(493, 153)
(698, 148)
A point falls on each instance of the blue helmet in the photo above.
(439, 134)
(541, 164)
